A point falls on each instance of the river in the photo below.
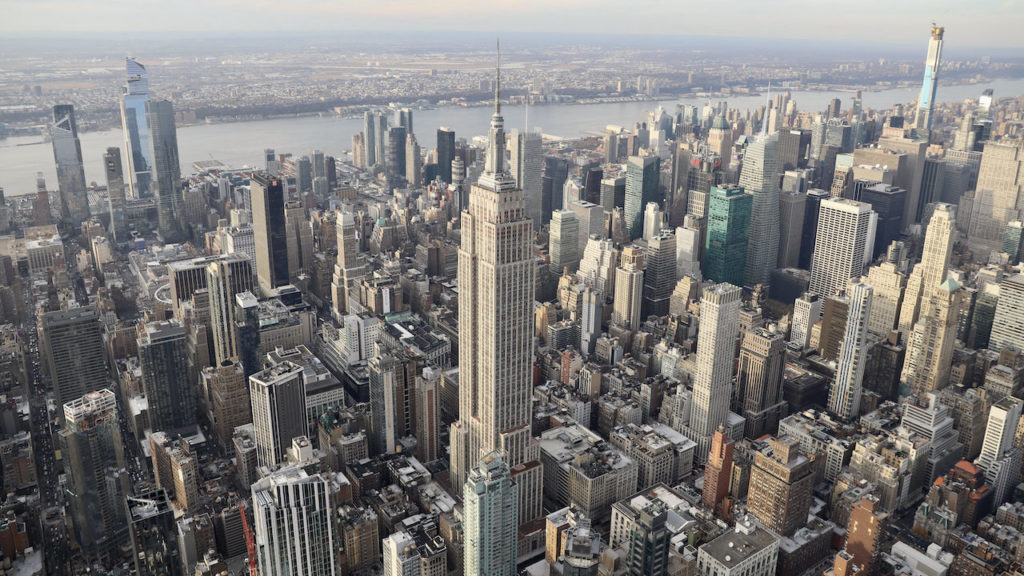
(241, 143)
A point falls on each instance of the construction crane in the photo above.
(250, 540)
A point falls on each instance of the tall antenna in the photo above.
(497, 80)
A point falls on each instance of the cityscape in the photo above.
(510, 304)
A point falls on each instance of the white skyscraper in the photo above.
(1008, 323)
(629, 283)
(844, 398)
(563, 241)
(598, 264)
(349, 266)
(491, 518)
(688, 244)
(843, 238)
(999, 458)
(760, 178)
(590, 324)
(526, 158)
(138, 146)
(654, 219)
(292, 512)
(931, 271)
(496, 296)
(806, 313)
(716, 348)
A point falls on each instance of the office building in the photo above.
(718, 470)
(847, 389)
(135, 127)
(792, 209)
(930, 343)
(72, 347)
(1000, 459)
(925, 105)
(392, 397)
(413, 161)
(293, 524)
(230, 403)
(725, 254)
(812, 208)
(420, 551)
(525, 154)
(226, 278)
(642, 181)
(396, 161)
(166, 168)
(153, 534)
(746, 550)
(428, 415)
(67, 154)
(689, 247)
(781, 485)
(997, 193)
(563, 241)
(887, 202)
(843, 244)
(716, 345)
(115, 194)
(491, 515)
(758, 392)
(649, 541)
(278, 410)
(629, 281)
(933, 268)
(445, 153)
(162, 355)
(807, 310)
(760, 178)
(889, 283)
(659, 274)
(1008, 322)
(269, 231)
(349, 266)
(97, 480)
(720, 139)
(496, 348)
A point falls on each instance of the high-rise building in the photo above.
(166, 165)
(97, 479)
(590, 319)
(716, 345)
(629, 280)
(1008, 322)
(725, 253)
(760, 178)
(1000, 458)
(844, 398)
(864, 532)
(812, 208)
(930, 343)
(419, 552)
(888, 202)
(231, 405)
(162, 355)
(428, 415)
(396, 156)
(491, 516)
(269, 232)
(925, 105)
(413, 161)
(806, 313)
(278, 410)
(931, 271)
(563, 241)
(445, 153)
(298, 238)
(525, 155)
(718, 470)
(349, 266)
(67, 154)
(292, 513)
(135, 127)
(720, 139)
(843, 244)
(889, 283)
(792, 210)
(659, 274)
(781, 483)
(72, 347)
(642, 180)
(997, 193)
(758, 394)
(226, 278)
(649, 542)
(392, 397)
(115, 194)
(154, 533)
(689, 247)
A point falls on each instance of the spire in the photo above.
(497, 80)
(767, 110)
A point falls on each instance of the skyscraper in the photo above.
(135, 127)
(72, 347)
(563, 241)
(716, 344)
(162, 356)
(166, 165)
(758, 394)
(115, 194)
(649, 541)
(278, 410)
(642, 179)
(718, 471)
(629, 279)
(781, 482)
(269, 231)
(231, 405)
(659, 274)
(445, 153)
(843, 241)
(153, 533)
(298, 238)
(760, 178)
(1008, 321)
(996, 197)
(225, 278)
(931, 271)
(292, 513)
(97, 478)
(392, 397)
(844, 398)
(725, 254)
(67, 154)
(930, 344)
(490, 509)
(496, 295)
(349, 266)
(1000, 458)
(923, 121)
(396, 156)
(526, 163)
(413, 161)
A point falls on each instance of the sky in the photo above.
(981, 23)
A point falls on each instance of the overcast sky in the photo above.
(978, 23)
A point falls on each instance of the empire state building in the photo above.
(496, 295)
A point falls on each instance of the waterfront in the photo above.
(242, 143)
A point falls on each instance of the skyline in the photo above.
(976, 27)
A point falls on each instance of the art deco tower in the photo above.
(496, 293)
